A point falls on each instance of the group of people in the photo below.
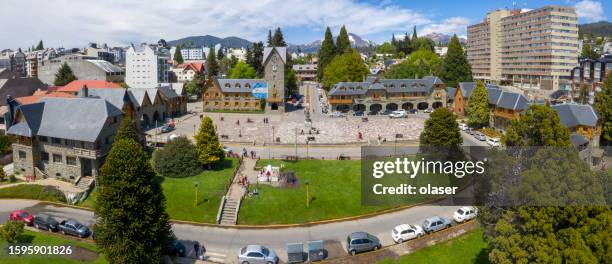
(246, 154)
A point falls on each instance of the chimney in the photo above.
(84, 92)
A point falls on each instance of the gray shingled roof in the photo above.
(139, 95)
(70, 118)
(572, 115)
(282, 51)
(467, 88)
(237, 85)
(168, 92)
(117, 96)
(389, 85)
(450, 91)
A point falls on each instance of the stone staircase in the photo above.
(229, 214)
(84, 182)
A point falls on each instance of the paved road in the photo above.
(222, 243)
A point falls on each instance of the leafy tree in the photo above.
(177, 159)
(242, 71)
(194, 87)
(587, 51)
(387, 48)
(478, 106)
(291, 82)
(2, 174)
(278, 39)
(64, 75)
(208, 147)
(405, 44)
(224, 66)
(441, 130)
(178, 56)
(327, 51)
(127, 130)
(132, 225)
(348, 67)
(11, 231)
(343, 43)
(40, 45)
(538, 126)
(603, 106)
(233, 61)
(212, 66)
(425, 43)
(419, 64)
(254, 57)
(455, 67)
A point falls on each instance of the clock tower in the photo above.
(274, 61)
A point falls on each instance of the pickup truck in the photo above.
(74, 228)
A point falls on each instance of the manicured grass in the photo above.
(334, 187)
(90, 201)
(180, 193)
(83, 252)
(7, 181)
(32, 191)
(466, 249)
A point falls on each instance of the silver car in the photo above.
(480, 136)
(257, 254)
(360, 242)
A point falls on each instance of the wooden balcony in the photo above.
(507, 115)
(340, 101)
(85, 153)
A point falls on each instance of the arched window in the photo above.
(227, 85)
(247, 85)
(237, 85)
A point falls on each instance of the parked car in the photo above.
(358, 113)
(257, 254)
(167, 128)
(371, 113)
(413, 111)
(494, 142)
(480, 136)
(465, 213)
(360, 242)
(74, 228)
(176, 248)
(337, 114)
(46, 222)
(386, 112)
(470, 131)
(428, 110)
(463, 127)
(435, 223)
(406, 232)
(398, 114)
(22, 216)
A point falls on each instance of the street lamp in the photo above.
(306, 182)
(195, 185)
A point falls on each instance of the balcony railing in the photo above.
(340, 101)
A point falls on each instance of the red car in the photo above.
(23, 216)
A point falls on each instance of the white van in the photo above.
(494, 142)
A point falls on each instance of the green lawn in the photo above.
(83, 252)
(469, 248)
(180, 193)
(334, 189)
(32, 191)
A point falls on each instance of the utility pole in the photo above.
(195, 184)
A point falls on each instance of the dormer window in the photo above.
(227, 85)
(237, 85)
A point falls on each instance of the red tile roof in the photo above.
(197, 66)
(75, 86)
(40, 95)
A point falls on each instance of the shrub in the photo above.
(2, 174)
(5, 143)
(177, 159)
(11, 231)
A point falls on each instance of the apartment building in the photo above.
(146, 66)
(529, 48)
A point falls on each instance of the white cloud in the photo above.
(73, 23)
(453, 25)
(591, 11)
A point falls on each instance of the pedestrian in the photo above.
(196, 249)
(237, 122)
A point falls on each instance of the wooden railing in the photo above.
(340, 101)
(85, 152)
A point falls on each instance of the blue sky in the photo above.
(72, 23)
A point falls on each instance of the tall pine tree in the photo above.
(455, 68)
(415, 40)
(343, 43)
(278, 40)
(178, 56)
(327, 51)
(212, 66)
(208, 147)
(255, 57)
(270, 41)
(40, 45)
(478, 106)
(407, 44)
(64, 75)
(132, 224)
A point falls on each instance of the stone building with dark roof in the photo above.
(247, 94)
(376, 95)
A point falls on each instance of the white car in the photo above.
(406, 232)
(337, 114)
(494, 142)
(398, 114)
(463, 127)
(465, 214)
(428, 111)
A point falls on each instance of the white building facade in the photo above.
(146, 66)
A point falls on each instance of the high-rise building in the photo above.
(146, 66)
(529, 48)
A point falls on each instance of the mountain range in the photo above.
(208, 40)
(598, 29)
